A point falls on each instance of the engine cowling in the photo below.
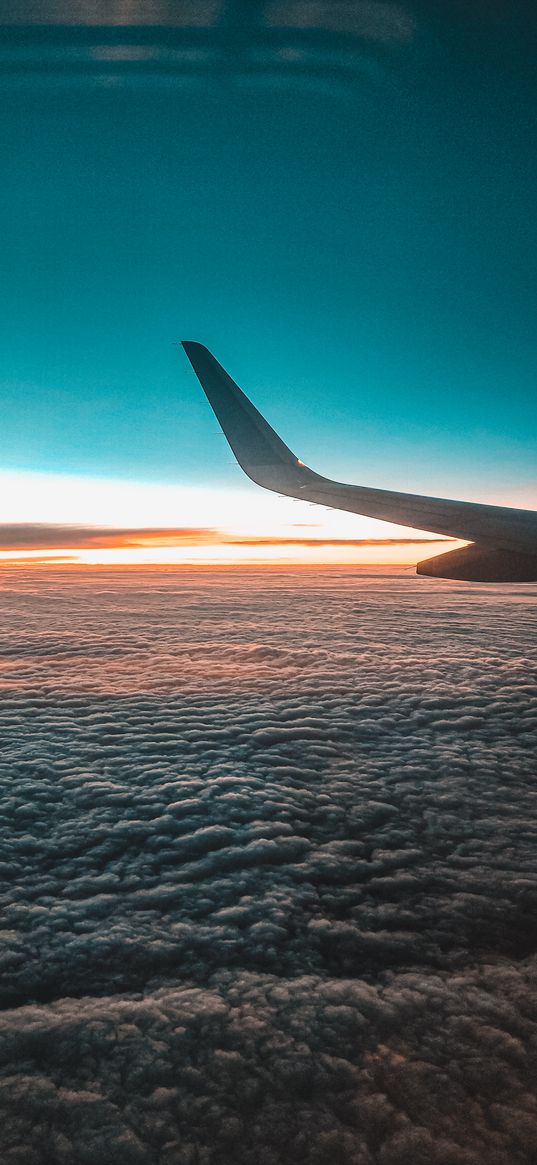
(475, 563)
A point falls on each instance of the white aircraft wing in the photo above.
(269, 462)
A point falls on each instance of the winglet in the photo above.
(258, 449)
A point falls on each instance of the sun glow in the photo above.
(132, 523)
(224, 554)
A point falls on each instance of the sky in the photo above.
(336, 198)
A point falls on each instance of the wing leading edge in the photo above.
(270, 463)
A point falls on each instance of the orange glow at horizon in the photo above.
(226, 554)
(99, 521)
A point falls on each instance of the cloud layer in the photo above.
(268, 869)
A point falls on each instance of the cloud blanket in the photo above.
(267, 854)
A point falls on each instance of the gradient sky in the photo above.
(348, 222)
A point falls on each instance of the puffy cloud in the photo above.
(268, 858)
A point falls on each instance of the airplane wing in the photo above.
(270, 463)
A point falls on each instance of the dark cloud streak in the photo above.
(50, 536)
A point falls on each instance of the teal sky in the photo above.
(358, 247)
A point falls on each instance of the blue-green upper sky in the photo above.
(347, 221)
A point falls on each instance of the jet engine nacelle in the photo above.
(475, 563)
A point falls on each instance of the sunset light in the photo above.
(75, 519)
